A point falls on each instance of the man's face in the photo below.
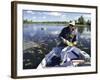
(72, 27)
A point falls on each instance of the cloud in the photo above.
(54, 13)
(30, 12)
(87, 15)
(34, 17)
(44, 17)
(63, 17)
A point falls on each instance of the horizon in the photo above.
(41, 16)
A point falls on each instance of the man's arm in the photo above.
(65, 38)
(68, 42)
(74, 40)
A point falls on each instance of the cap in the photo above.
(72, 23)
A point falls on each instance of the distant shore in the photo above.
(54, 23)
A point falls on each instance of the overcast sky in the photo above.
(53, 16)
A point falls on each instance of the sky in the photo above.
(53, 16)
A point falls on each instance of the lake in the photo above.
(39, 39)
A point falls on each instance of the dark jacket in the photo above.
(67, 34)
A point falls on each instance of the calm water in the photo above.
(44, 38)
(33, 32)
(40, 32)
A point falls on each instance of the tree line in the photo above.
(81, 20)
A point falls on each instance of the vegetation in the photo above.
(80, 21)
(44, 22)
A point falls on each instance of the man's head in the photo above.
(72, 25)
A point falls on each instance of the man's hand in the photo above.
(75, 43)
(67, 42)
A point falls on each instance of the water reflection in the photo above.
(39, 39)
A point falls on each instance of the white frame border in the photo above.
(21, 72)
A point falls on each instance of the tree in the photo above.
(76, 21)
(25, 21)
(88, 22)
(81, 20)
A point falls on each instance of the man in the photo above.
(68, 37)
